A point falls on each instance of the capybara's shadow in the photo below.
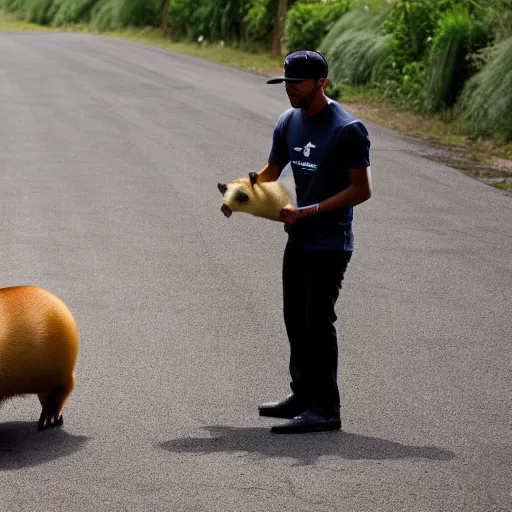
(305, 448)
(21, 445)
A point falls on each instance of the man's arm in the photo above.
(359, 191)
(270, 172)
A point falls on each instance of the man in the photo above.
(329, 153)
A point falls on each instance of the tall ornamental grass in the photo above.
(68, 12)
(457, 35)
(355, 48)
(359, 58)
(486, 101)
(358, 19)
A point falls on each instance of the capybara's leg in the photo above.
(53, 403)
(42, 398)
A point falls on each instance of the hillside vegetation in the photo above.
(451, 59)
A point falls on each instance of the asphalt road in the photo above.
(110, 154)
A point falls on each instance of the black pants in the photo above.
(311, 286)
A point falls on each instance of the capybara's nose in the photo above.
(226, 210)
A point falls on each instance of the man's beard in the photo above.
(303, 103)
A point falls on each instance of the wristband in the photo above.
(305, 210)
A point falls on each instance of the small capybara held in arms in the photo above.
(259, 199)
(39, 345)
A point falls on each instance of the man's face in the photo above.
(301, 94)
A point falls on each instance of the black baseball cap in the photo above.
(302, 65)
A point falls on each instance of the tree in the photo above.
(277, 34)
(164, 10)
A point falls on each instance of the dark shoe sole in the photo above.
(287, 415)
(305, 429)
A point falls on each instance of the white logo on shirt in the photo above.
(306, 150)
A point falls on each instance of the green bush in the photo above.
(137, 13)
(259, 19)
(361, 53)
(498, 17)
(486, 100)
(405, 87)
(456, 37)
(411, 23)
(117, 14)
(418, 53)
(213, 19)
(182, 20)
(308, 23)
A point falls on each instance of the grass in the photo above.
(263, 64)
(488, 160)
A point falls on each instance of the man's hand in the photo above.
(270, 172)
(289, 215)
(253, 177)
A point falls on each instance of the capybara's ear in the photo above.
(222, 187)
(253, 177)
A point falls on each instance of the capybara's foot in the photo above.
(53, 403)
(47, 422)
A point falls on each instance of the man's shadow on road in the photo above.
(21, 445)
(304, 448)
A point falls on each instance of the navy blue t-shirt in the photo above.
(321, 149)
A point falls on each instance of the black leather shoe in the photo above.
(290, 407)
(308, 421)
